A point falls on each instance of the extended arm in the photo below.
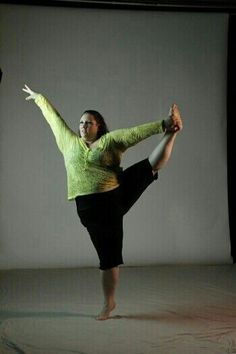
(61, 131)
(125, 138)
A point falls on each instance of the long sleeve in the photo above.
(93, 170)
(125, 138)
(63, 134)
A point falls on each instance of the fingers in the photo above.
(27, 89)
(32, 94)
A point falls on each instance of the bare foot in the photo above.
(176, 118)
(104, 314)
(174, 123)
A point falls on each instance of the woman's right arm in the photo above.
(63, 134)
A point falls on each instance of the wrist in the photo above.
(167, 123)
(163, 125)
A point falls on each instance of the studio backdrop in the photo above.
(131, 66)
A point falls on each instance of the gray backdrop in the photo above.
(130, 65)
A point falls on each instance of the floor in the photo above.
(161, 310)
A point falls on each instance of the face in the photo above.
(88, 127)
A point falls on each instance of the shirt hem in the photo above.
(70, 198)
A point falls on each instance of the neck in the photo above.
(89, 142)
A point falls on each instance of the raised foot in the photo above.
(176, 118)
(104, 314)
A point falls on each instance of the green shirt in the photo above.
(93, 170)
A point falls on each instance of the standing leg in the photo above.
(110, 279)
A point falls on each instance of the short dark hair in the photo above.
(102, 129)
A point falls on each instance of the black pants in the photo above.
(102, 213)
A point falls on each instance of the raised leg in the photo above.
(110, 279)
(161, 154)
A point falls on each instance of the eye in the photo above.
(86, 123)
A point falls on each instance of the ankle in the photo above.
(109, 302)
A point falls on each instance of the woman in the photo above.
(102, 190)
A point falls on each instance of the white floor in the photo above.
(161, 310)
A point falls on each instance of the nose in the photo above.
(84, 124)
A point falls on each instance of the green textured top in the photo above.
(93, 170)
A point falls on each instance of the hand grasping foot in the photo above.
(176, 118)
(174, 122)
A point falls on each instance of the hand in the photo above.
(32, 94)
(174, 122)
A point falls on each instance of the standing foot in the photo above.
(104, 314)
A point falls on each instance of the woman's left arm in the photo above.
(125, 138)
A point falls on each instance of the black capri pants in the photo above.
(102, 213)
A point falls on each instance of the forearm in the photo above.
(59, 128)
(131, 136)
(49, 112)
